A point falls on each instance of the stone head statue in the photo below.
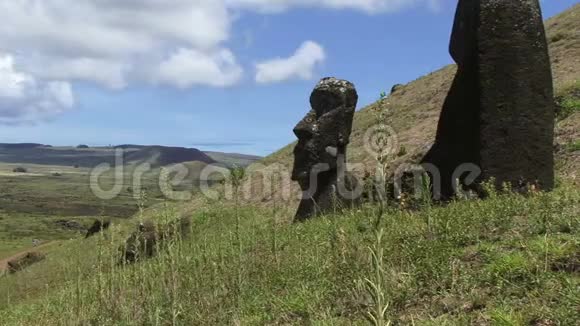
(323, 135)
(324, 132)
(499, 113)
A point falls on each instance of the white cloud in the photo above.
(189, 67)
(117, 43)
(298, 66)
(109, 73)
(23, 99)
(112, 28)
(97, 40)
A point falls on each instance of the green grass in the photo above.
(18, 230)
(31, 202)
(568, 100)
(40, 192)
(574, 146)
(506, 261)
(509, 260)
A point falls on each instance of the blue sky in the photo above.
(237, 80)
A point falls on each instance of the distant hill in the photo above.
(233, 159)
(162, 156)
(82, 156)
(22, 146)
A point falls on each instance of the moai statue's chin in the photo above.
(499, 113)
(320, 155)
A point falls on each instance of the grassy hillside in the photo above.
(55, 186)
(55, 180)
(31, 203)
(413, 110)
(506, 260)
(509, 260)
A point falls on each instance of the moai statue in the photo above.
(499, 113)
(320, 155)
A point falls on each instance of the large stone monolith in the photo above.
(320, 155)
(499, 113)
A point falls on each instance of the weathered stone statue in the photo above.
(499, 113)
(320, 155)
